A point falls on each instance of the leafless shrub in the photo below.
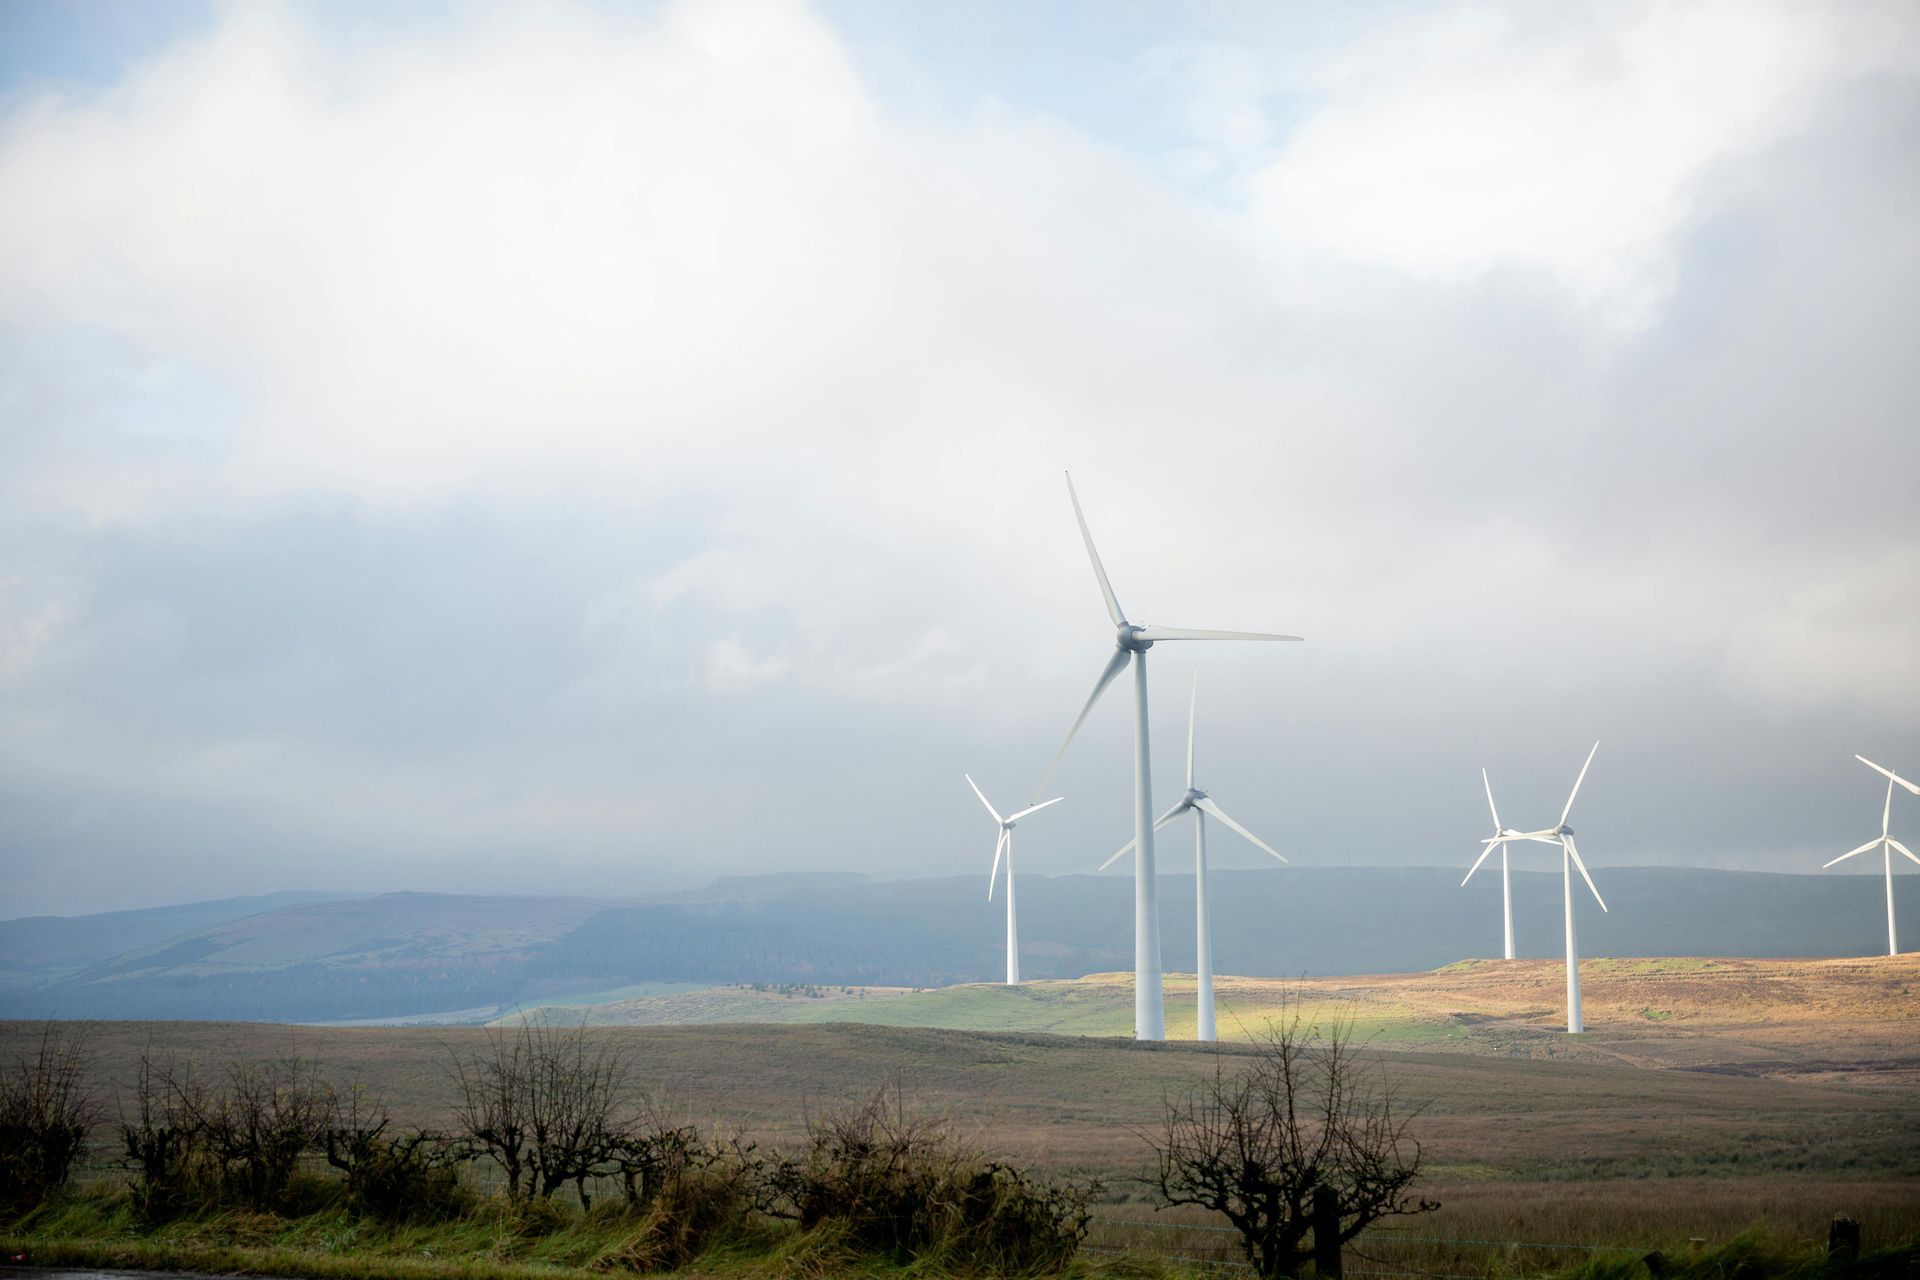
(1307, 1116)
(545, 1104)
(652, 1153)
(689, 1191)
(46, 1114)
(907, 1188)
(391, 1174)
(256, 1128)
(163, 1141)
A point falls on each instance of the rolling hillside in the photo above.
(464, 958)
(1856, 1019)
(38, 948)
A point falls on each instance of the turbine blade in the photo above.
(993, 875)
(1113, 667)
(1576, 785)
(1099, 571)
(1890, 773)
(1871, 844)
(1191, 633)
(1193, 709)
(983, 796)
(1886, 810)
(1206, 805)
(1490, 809)
(1158, 823)
(1583, 869)
(1491, 846)
(1902, 848)
(1032, 808)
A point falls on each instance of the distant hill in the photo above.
(34, 948)
(402, 955)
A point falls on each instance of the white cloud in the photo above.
(712, 404)
(733, 668)
(1566, 141)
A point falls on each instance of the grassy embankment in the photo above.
(1502, 1232)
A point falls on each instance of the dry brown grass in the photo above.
(1853, 1020)
(1591, 1146)
(1065, 1102)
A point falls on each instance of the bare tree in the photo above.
(578, 1101)
(653, 1151)
(161, 1139)
(46, 1113)
(1308, 1116)
(259, 1125)
(491, 1114)
(545, 1104)
(392, 1173)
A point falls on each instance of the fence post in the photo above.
(1843, 1239)
(1326, 1232)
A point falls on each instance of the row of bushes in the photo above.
(552, 1111)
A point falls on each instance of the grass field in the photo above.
(1855, 1019)
(1710, 1096)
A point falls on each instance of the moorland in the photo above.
(1711, 1097)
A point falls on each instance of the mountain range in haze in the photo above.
(305, 957)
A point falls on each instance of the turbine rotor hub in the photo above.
(1129, 638)
(1194, 795)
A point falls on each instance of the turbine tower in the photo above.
(1131, 644)
(1005, 842)
(1886, 843)
(1562, 835)
(1502, 836)
(1199, 804)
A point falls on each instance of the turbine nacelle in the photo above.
(1193, 797)
(1131, 643)
(1003, 843)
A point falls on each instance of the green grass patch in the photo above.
(96, 1226)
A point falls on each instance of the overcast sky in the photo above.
(576, 449)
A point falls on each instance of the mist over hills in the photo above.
(325, 957)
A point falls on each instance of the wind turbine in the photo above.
(1886, 843)
(1131, 643)
(1199, 804)
(1562, 835)
(1502, 836)
(1005, 842)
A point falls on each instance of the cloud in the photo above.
(570, 430)
(732, 668)
(1571, 143)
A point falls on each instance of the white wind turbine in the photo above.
(1886, 843)
(1005, 842)
(1199, 804)
(1132, 643)
(1562, 835)
(1502, 836)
